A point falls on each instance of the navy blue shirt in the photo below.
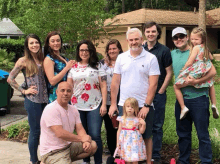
(164, 59)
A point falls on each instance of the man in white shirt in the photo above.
(137, 72)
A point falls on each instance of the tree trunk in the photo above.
(136, 4)
(123, 6)
(202, 14)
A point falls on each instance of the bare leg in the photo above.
(179, 96)
(213, 100)
(86, 154)
(149, 146)
(135, 162)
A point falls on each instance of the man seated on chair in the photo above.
(58, 143)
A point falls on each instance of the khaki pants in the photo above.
(65, 155)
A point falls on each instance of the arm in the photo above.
(67, 136)
(211, 73)
(118, 133)
(192, 58)
(167, 79)
(49, 70)
(210, 56)
(153, 80)
(142, 125)
(114, 92)
(103, 87)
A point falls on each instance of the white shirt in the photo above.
(86, 91)
(135, 74)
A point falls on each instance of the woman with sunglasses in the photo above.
(35, 91)
(89, 93)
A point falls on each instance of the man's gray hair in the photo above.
(133, 30)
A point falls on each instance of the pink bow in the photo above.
(120, 161)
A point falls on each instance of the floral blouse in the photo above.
(86, 91)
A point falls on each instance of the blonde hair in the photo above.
(134, 104)
(202, 33)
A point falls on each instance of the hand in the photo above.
(112, 110)
(161, 91)
(86, 138)
(86, 146)
(144, 42)
(143, 112)
(190, 80)
(70, 64)
(32, 90)
(141, 121)
(103, 110)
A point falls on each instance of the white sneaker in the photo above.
(215, 111)
(183, 113)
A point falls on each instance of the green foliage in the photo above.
(12, 45)
(76, 20)
(14, 130)
(215, 140)
(6, 59)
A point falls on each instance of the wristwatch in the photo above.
(146, 105)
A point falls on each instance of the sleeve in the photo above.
(101, 70)
(70, 75)
(77, 116)
(154, 67)
(48, 55)
(119, 118)
(52, 116)
(167, 58)
(117, 68)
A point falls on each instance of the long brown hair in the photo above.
(31, 65)
(107, 58)
(202, 33)
(47, 49)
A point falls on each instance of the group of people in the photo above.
(63, 96)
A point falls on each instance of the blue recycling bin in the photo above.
(6, 92)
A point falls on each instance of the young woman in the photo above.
(35, 92)
(55, 64)
(113, 49)
(89, 92)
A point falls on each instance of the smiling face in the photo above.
(55, 42)
(151, 33)
(113, 51)
(33, 45)
(180, 41)
(84, 53)
(134, 41)
(64, 93)
(195, 39)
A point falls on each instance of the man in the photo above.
(152, 32)
(58, 144)
(137, 72)
(196, 100)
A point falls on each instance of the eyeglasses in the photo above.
(84, 50)
(181, 36)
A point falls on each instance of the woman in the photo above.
(55, 64)
(35, 91)
(87, 78)
(112, 50)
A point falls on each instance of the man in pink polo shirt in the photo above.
(58, 144)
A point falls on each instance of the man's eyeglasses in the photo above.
(181, 36)
(84, 50)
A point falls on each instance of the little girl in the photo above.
(197, 66)
(129, 138)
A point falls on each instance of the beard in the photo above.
(136, 48)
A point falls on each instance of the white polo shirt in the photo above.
(134, 75)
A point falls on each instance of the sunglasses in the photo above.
(181, 36)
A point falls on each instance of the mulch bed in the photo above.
(167, 153)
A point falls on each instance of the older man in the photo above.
(196, 100)
(58, 143)
(137, 72)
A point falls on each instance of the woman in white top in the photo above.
(112, 50)
(89, 92)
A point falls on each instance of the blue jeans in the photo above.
(92, 123)
(199, 114)
(34, 111)
(159, 115)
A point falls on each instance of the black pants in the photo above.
(110, 132)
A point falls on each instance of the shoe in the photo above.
(215, 111)
(183, 113)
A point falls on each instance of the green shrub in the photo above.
(6, 59)
(13, 45)
(13, 131)
(215, 140)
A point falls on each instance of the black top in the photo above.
(164, 59)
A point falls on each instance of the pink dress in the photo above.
(199, 68)
(131, 141)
